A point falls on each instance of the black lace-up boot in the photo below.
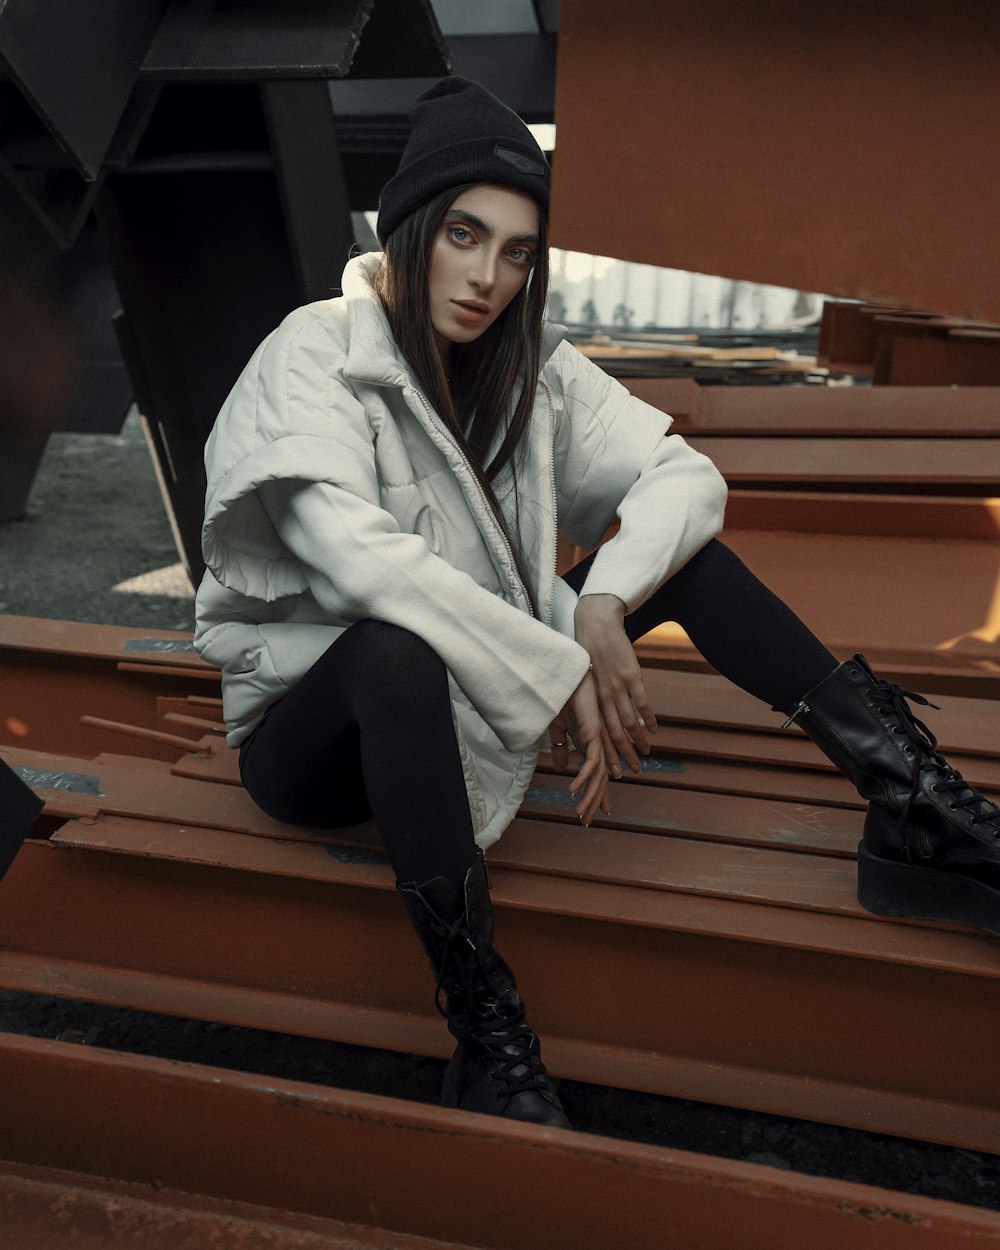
(931, 846)
(497, 1067)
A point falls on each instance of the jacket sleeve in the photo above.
(614, 457)
(516, 671)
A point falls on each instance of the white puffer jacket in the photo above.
(335, 494)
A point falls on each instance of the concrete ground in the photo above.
(95, 543)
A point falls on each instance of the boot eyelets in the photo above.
(951, 807)
(936, 788)
(907, 750)
(854, 672)
(973, 820)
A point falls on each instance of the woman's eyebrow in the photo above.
(481, 225)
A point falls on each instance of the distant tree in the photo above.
(588, 314)
(622, 316)
(557, 306)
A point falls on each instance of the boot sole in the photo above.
(890, 888)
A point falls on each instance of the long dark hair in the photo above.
(494, 378)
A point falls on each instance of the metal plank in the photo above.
(58, 55)
(882, 516)
(808, 811)
(755, 199)
(329, 953)
(206, 41)
(68, 640)
(46, 1207)
(961, 724)
(909, 461)
(221, 1134)
(930, 412)
(969, 360)
(838, 584)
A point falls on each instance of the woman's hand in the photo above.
(581, 720)
(625, 708)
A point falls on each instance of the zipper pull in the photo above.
(797, 711)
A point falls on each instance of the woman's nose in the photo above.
(484, 271)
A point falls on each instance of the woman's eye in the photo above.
(520, 255)
(459, 234)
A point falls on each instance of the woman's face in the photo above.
(480, 259)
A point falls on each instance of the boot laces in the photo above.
(948, 780)
(501, 1031)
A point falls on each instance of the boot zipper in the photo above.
(797, 711)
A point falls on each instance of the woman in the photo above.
(385, 484)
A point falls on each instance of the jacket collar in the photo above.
(372, 354)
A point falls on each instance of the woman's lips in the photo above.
(470, 314)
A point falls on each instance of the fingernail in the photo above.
(617, 774)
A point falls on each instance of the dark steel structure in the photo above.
(223, 148)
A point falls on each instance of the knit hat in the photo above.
(461, 134)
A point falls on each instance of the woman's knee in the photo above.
(383, 655)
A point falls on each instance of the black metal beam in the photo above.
(205, 271)
(258, 40)
(402, 40)
(311, 182)
(19, 809)
(76, 64)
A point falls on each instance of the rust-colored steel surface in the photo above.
(874, 513)
(928, 613)
(719, 896)
(897, 347)
(391, 1171)
(825, 411)
(848, 148)
(117, 674)
(153, 895)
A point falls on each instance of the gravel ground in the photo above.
(95, 521)
(96, 546)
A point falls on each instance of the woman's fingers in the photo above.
(629, 717)
(590, 786)
(621, 740)
(559, 738)
(612, 759)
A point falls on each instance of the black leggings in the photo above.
(368, 731)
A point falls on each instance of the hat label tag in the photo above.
(524, 164)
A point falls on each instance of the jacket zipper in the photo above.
(487, 510)
(555, 505)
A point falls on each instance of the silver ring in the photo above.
(559, 744)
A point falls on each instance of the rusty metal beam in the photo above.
(930, 412)
(836, 581)
(55, 672)
(845, 1018)
(846, 148)
(392, 1171)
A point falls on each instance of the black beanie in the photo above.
(461, 134)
